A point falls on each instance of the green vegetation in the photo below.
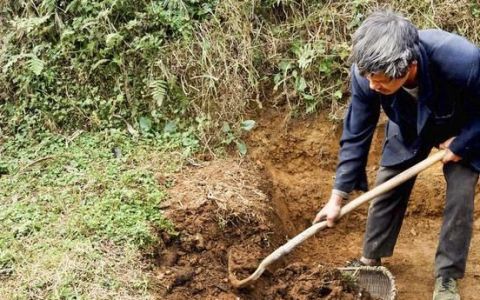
(96, 63)
(100, 64)
(78, 213)
(196, 64)
(97, 97)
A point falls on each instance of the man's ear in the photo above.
(412, 67)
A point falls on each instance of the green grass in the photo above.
(75, 221)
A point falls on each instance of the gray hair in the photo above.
(385, 42)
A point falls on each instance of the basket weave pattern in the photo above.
(377, 281)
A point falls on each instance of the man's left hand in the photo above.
(449, 155)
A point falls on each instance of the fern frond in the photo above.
(36, 65)
(158, 91)
(175, 5)
(47, 6)
(27, 24)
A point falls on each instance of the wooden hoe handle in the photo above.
(295, 241)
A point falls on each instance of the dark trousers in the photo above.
(386, 213)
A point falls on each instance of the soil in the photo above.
(247, 207)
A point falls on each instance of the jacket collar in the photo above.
(424, 94)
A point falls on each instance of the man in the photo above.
(428, 84)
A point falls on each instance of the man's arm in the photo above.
(359, 125)
(467, 143)
(358, 128)
(459, 62)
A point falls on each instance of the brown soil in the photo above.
(249, 207)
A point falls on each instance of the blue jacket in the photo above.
(448, 105)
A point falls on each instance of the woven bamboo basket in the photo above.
(377, 281)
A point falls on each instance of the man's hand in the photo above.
(449, 155)
(330, 211)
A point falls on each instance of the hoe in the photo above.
(295, 241)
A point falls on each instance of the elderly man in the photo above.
(428, 84)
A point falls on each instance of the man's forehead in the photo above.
(378, 76)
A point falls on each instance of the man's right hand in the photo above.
(330, 211)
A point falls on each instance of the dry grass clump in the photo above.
(234, 189)
(215, 68)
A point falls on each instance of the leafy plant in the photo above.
(234, 136)
(297, 75)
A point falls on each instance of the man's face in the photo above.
(385, 85)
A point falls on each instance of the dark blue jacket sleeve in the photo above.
(467, 143)
(358, 128)
(459, 61)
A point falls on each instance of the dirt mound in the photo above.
(224, 206)
(213, 206)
